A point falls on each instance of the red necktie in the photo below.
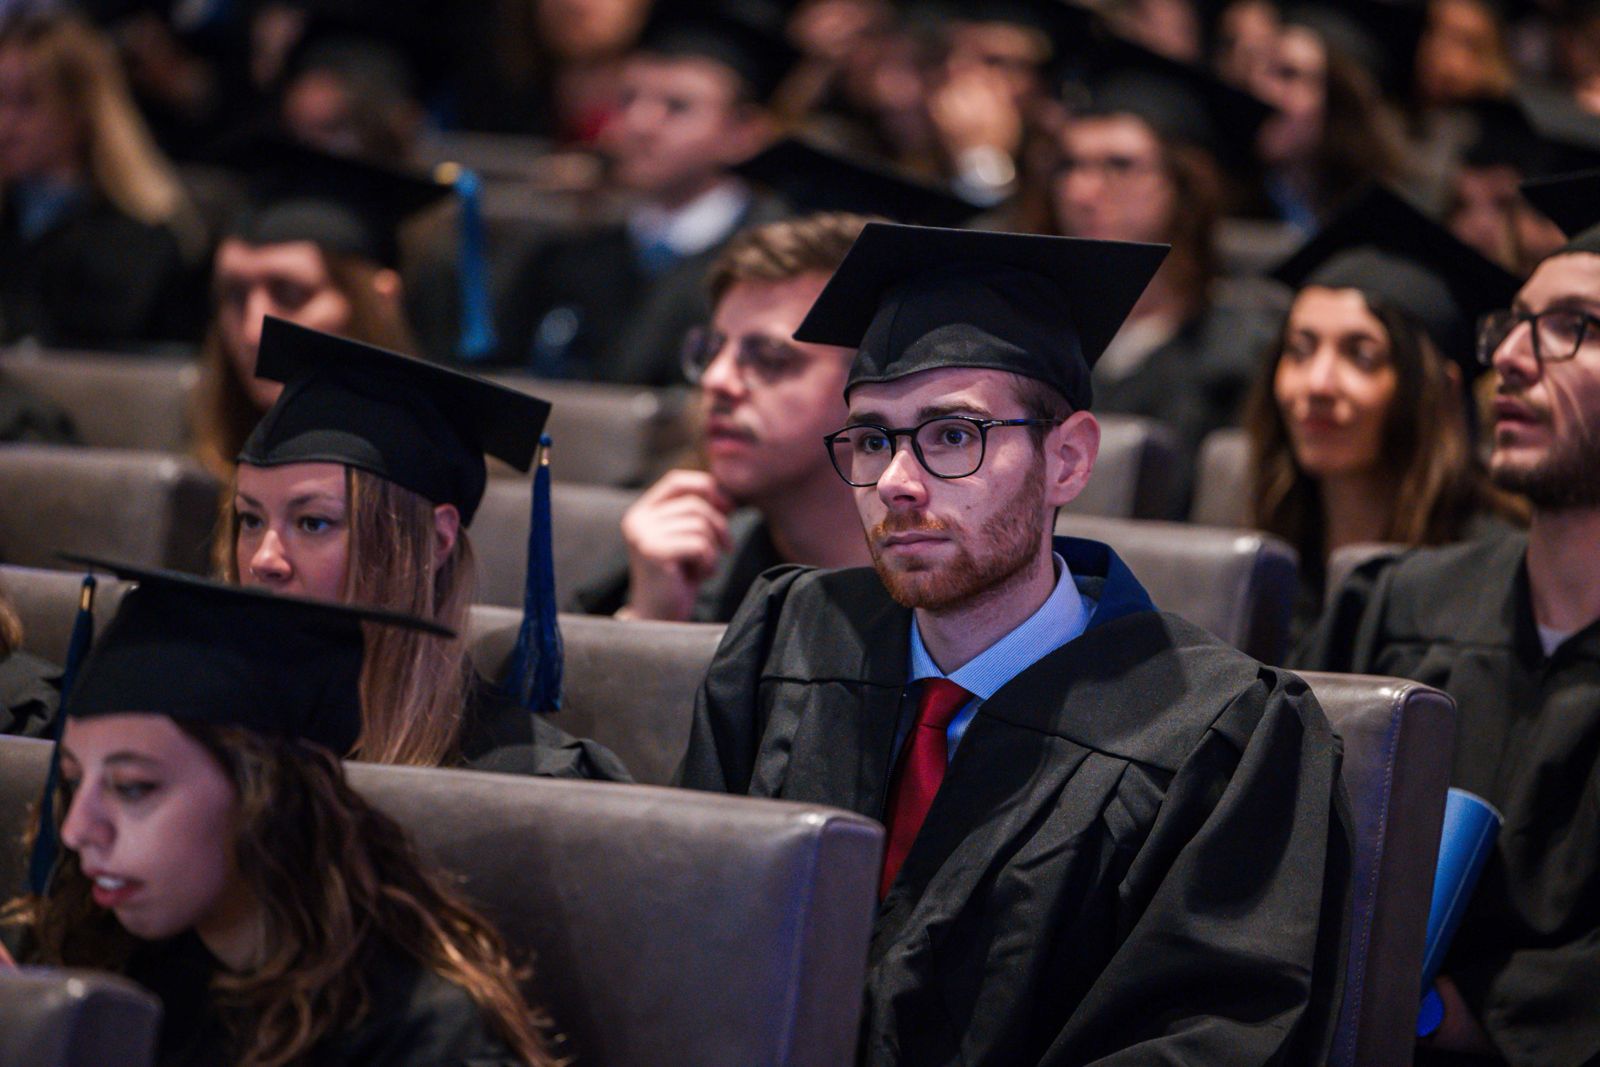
(919, 773)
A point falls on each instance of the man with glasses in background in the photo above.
(765, 400)
(1111, 837)
(1510, 627)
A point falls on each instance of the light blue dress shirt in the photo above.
(1061, 618)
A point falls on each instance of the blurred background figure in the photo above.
(1360, 426)
(98, 241)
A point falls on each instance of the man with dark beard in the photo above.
(1511, 629)
(1111, 837)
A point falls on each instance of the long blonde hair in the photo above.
(414, 687)
(77, 62)
(348, 883)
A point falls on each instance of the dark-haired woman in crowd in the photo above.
(1358, 429)
(97, 237)
(214, 852)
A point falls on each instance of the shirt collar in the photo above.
(695, 227)
(1061, 618)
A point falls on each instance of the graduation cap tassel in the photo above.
(534, 678)
(477, 340)
(47, 846)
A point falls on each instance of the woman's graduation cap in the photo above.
(916, 298)
(420, 425)
(813, 177)
(1383, 246)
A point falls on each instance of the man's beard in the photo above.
(1567, 478)
(1011, 544)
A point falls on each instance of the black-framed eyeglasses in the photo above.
(766, 359)
(1557, 333)
(950, 446)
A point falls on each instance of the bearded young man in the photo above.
(1511, 629)
(1111, 838)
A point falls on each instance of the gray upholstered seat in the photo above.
(56, 1018)
(628, 685)
(1222, 480)
(149, 508)
(1238, 584)
(586, 536)
(666, 926)
(47, 603)
(115, 401)
(622, 435)
(1398, 739)
(1138, 474)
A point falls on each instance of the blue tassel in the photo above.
(534, 677)
(477, 340)
(47, 846)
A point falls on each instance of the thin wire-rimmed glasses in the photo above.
(766, 359)
(950, 446)
(1558, 333)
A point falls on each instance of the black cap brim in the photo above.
(812, 177)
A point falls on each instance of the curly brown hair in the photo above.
(337, 880)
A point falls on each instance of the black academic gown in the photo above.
(95, 279)
(1527, 955)
(581, 306)
(1139, 853)
(416, 1018)
(29, 695)
(719, 596)
(501, 735)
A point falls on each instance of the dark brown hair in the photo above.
(337, 880)
(1438, 483)
(1360, 136)
(778, 251)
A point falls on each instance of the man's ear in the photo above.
(446, 530)
(1069, 454)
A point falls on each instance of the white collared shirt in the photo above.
(702, 222)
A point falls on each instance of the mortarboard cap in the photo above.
(753, 48)
(1383, 246)
(812, 177)
(420, 425)
(912, 298)
(1572, 201)
(1182, 102)
(345, 205)
(201, 651)
(1379, 35)
(1536, 131)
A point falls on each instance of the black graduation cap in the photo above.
(202, 651)
(418, 424)
(1380, 35)
(1538, 132)
(755, 50)
(813, 177)
(344, 204)
(1182, 102)
(1572, 201)
(1383, 246)
(914, 298)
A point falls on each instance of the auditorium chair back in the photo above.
(1139, 473)
(1398, 738)
(47, 603)
(114, 401)
(664, 926)
(1222, 480)
(70, 1018)
(147, 508)
(586, 537)
(621, 435)
(628, 685)
(1238, 584)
